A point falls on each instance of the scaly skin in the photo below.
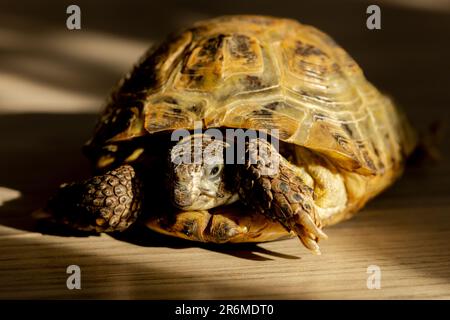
(104, 203)
(279, 194)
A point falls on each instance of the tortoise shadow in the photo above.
(143, 236)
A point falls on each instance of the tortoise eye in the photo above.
(214, 171)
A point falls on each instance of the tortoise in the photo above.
(322, 141)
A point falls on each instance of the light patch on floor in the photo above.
(7, 194)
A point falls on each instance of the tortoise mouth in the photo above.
(185, 199)
(197, 199)
(207, 193)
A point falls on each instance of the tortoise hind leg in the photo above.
(103, 203)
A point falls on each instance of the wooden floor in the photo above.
(52, 83)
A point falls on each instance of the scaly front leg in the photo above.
(269, 184)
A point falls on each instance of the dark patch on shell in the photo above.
(240, 48)
(211, 46)
(347, 129)
(369, 161)
(319, 117)
(262, 112)
(305, 49)
(170, 100)
(114, 122)
(375, 150)
(340, 139)
(304, 93)
(195, 78)
(360, 144)
(198, 109)
(274, 105)
(253, 83)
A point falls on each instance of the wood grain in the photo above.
(48, 104)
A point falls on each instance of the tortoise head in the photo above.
(196, 175)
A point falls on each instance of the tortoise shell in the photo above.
(260, 73)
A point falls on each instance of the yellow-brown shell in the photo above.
(261, 73)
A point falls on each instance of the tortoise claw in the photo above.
(309, 242)
(309, 233)
(306, 221)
